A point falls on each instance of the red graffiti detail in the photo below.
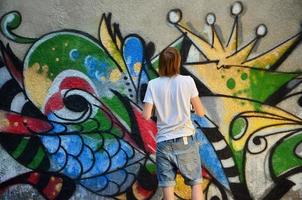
(205, 174)
(55, 102)
(34, 178)
(20, 125)
(148, 131)
(53, 187)
(76, 82)
(140, 192)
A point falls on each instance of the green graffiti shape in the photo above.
(285, 157)
(11, 21)
(231, 83)
(264, 83)
(238, 128)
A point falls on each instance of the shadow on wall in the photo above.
(70, 112)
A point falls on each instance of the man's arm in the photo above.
(147, 112)
(197, 105)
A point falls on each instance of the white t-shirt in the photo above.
(171, 98)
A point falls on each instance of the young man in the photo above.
(172, 95)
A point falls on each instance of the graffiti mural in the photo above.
(70, 112)
(242, 94)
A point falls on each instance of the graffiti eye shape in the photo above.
(72, 98)
(77, 106)
(76, 103)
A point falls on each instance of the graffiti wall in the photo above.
(71, 124)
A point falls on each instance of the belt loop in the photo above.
(185, 140)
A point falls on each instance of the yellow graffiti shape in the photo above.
(115, 75)
(266, 123)
(181, 189)
(37, 83)
(3, 121)
(184, 191)
(222, 81)
(233, 112)
(110, 45)
(137, 67)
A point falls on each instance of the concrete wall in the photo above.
(74, 73)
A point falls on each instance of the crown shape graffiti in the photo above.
(229, 69)
(229, 54)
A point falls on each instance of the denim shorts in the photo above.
(174, 155)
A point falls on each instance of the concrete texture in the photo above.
(148, 18)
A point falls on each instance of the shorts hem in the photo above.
(167, 184)
(194, 182)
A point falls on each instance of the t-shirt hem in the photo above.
(148, 102)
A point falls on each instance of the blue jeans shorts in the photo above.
(175, 155)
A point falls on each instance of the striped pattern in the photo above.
(27, 151)
(13, 97)
(224, 154)
(50, 185)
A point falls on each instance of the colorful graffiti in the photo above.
(242, 94)
(70, 112)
